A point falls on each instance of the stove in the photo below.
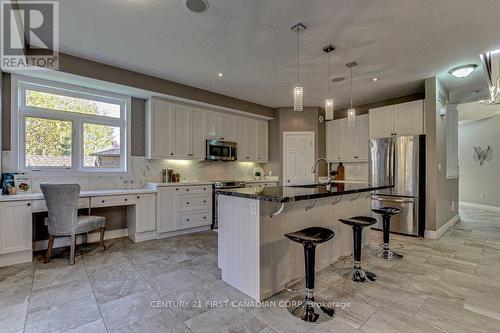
(223, 184)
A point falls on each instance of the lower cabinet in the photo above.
(183, 207)
(15, 226)
(145, 212)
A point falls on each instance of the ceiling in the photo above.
(400, 41)
(473, 111)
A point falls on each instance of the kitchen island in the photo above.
(253, 253)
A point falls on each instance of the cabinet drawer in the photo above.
(205, 189)
(194, 202)
(40, 205)
(113, 200)
(196, 219)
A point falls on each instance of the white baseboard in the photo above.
(14, 258)
(182, 232)
(143, 236)
(93, 237)
(438, 233)
(479, 206)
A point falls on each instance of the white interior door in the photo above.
(298, 158)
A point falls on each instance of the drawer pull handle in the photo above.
(204, 217)
(138, 197)
(187, 203)
(187, 220)
(187, 190)
(102, 200)
(204, 201)
(126, 199)
(28, 204)
(177, 189)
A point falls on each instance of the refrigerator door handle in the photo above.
(393, 200)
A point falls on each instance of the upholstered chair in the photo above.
(63, 220)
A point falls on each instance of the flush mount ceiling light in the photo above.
(329, 101)
(197, 6)
(462, 71)
(375, 79)
(220, 74)
(298, 90)
(351, 113)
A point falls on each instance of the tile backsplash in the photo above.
(354, 171)
(142, 171)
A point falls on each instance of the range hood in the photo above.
(491, 65)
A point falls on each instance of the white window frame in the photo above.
(20, 111)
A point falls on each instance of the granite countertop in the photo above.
(289, 194)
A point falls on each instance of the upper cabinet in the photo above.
(347, 144)
(397, 120)
(179, 131)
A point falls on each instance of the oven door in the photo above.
(221, 150)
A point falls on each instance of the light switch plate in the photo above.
(253, 209)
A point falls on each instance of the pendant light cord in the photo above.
(351, 87)
(298, 54)
(329, 77)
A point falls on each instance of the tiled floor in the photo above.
(450, 285)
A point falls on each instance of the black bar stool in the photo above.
(384, 251)
(310, 308)
(356, 273)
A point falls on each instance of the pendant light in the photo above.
(329, 101)
(351, 113)
(298, 91)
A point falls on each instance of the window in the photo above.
(71, 128)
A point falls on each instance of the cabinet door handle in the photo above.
(204, 217)
(187, 203)
(138, 197)
(187, 220)
(187, 190)
(126, 199)
(28, 204)
(171, 153)
(204, 201)
(102, 200)
(177, 189)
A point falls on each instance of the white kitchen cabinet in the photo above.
(362, 138)
(15, 226)
(160, 120)
(381, 122)
(166, 209)
(397, 120)
(347, 144)
(262, 141)
(182, 131)
(228, 132)
(179, 131)
(145, 212)
(250, 140)
(213, 125)
(183, 207)
(409, 118)
(197, 134)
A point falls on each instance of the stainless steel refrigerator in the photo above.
(399, 161)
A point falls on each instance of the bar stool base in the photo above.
(358, 275)
(386, 254)
(316, 311)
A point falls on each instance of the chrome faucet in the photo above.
(313, 169)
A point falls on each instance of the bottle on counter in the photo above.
(340, 172)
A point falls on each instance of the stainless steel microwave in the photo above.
(221, 150)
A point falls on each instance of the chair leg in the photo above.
(102, 238)
(72, 250)
(49, 249)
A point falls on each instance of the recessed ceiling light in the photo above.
(375, 79)
(220, 74)
(462, 71)
(197, 6)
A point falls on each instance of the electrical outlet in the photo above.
(439, 166)
(453, 206)
(482, 195)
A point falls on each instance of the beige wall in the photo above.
(440, 192)
(285, 119)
